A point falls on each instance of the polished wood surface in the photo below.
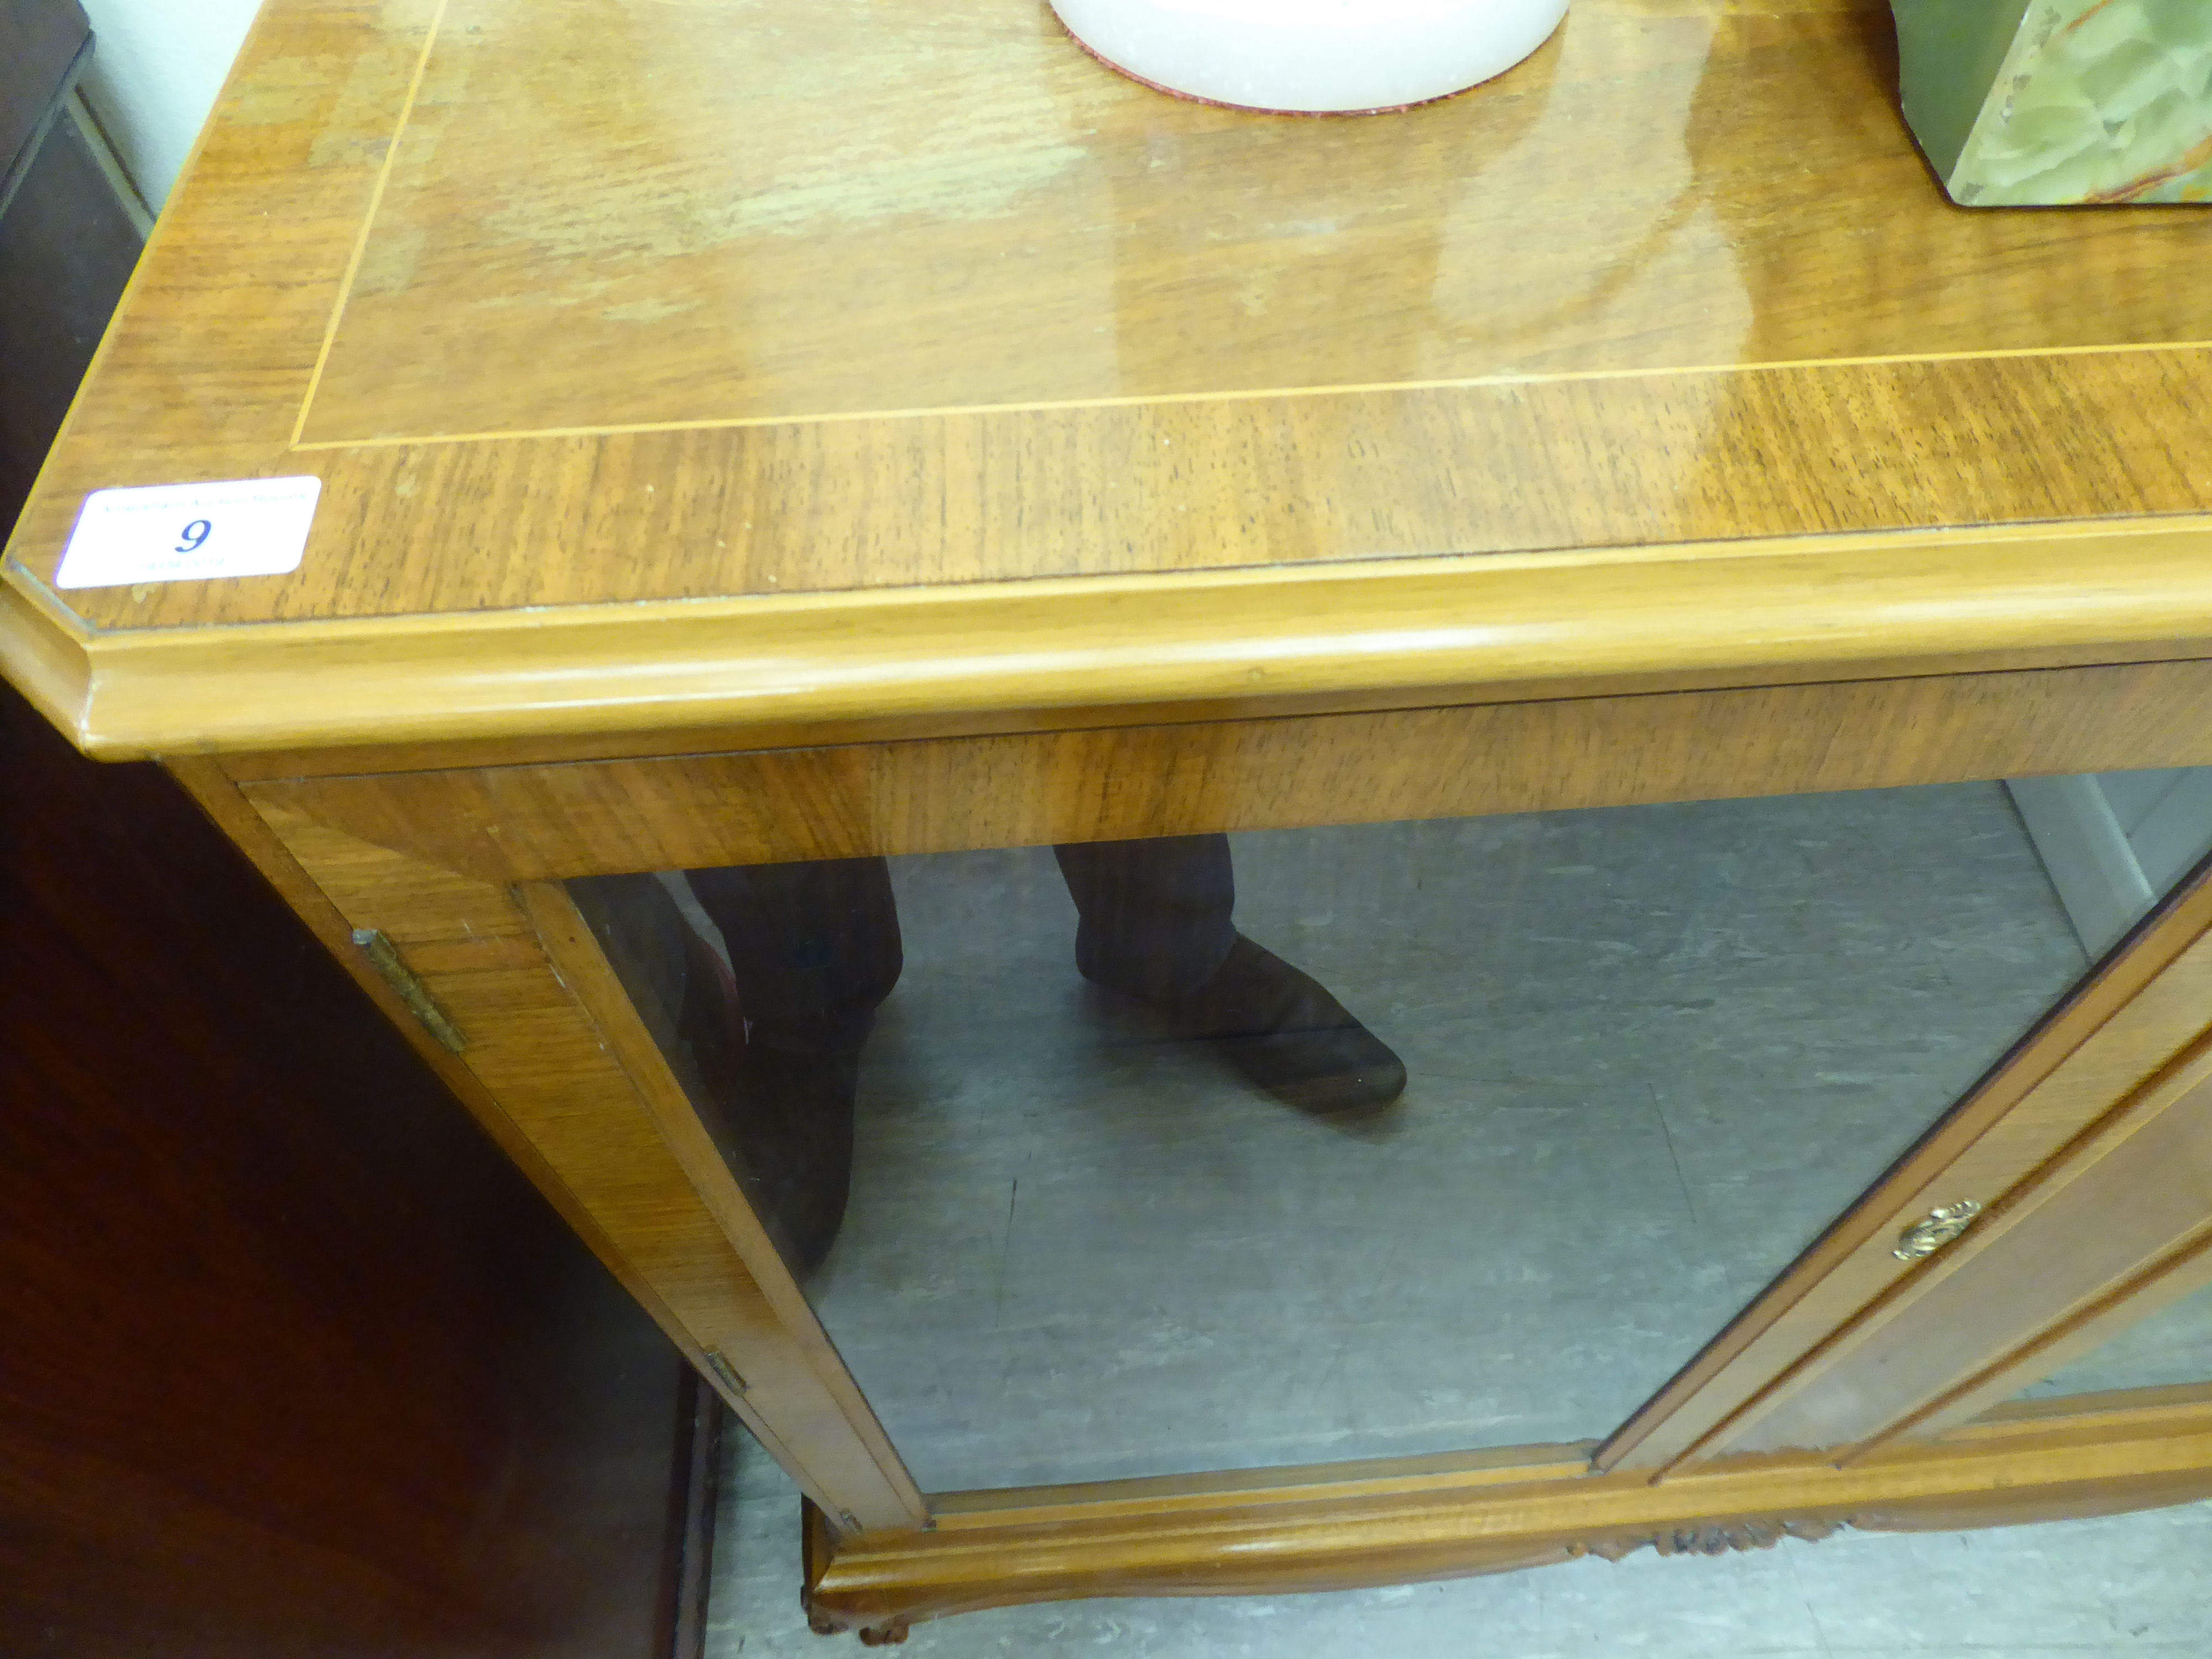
(1509, 627)
(499, 824)
(292, 1362)
(555, 251)
(552, 341)
(1126, 490)
(1010, 1547)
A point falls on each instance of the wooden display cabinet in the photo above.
(877, 429)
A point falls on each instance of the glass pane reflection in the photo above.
(1650, 1052)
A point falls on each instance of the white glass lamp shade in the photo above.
(1312, 55)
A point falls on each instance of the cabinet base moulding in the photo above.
(1002, 1550)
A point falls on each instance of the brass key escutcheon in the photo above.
(1944, 1223)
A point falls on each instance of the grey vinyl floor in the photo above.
(1653, 1051)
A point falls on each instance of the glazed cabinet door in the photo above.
(1600, 1088)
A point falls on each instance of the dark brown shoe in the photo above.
(1284, 1032)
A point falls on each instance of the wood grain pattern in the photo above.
(214, 347)
(2035, 1469)
(934, 500)
(530, 822)
(555, 252)
(220, 798)
(1722, 353)
(537, 1051)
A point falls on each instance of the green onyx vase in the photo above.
(2027, 103)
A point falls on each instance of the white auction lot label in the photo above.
(190, 532)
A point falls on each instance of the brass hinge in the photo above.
(724, 1373)
(411, 990)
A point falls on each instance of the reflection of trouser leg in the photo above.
(814, 947)
(1155, 914)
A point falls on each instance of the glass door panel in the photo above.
(2172, 1347)
(2163, 821)
(1093, 1230)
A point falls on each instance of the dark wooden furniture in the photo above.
(292, 1362)
(67, 241)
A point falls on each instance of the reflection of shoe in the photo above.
(1285, 1032)
(783, 1116)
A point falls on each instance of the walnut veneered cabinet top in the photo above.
(708, 362)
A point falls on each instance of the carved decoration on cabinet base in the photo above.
(1716, 1537)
